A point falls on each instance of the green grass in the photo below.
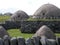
(4, 18)
(34, 19)
(17, 33)
(57, 34)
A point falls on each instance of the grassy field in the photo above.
(17, 33)
(4, 18)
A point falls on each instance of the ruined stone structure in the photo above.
(47, 11)
(19, 15)
(45, 31)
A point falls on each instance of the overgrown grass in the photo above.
(4, 18)
(17, 33)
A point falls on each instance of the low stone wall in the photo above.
(30, 41)
(33, 26)
(11, 25)
(29, 26)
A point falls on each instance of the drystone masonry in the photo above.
(33, 26)
(29, 41)
(11, 25)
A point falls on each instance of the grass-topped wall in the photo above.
(37, 19)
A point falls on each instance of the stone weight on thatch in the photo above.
(3, 32)
(48, 11)
(45, 31)
(19, 15)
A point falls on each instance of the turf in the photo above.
(37, 19)
(57, 34)
(17, 33)
(4, 18)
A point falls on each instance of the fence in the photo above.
(30, 41)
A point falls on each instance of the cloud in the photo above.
(29, 6)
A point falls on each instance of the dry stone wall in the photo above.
(29, 41)
(11, 25)
(33, 26)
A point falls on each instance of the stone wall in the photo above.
(11, 25)
(30, 41)
(33, 26)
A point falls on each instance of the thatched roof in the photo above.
(47, 11)
(19, 15)
(45, 31)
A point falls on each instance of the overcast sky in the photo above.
(29, 6)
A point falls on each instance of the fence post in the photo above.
(58, 40)
(6, 40)
(13, 41)
(29, 41)
(1, 41)
(51, 42)
(43, 40)
(36, 40)
(21, 41)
